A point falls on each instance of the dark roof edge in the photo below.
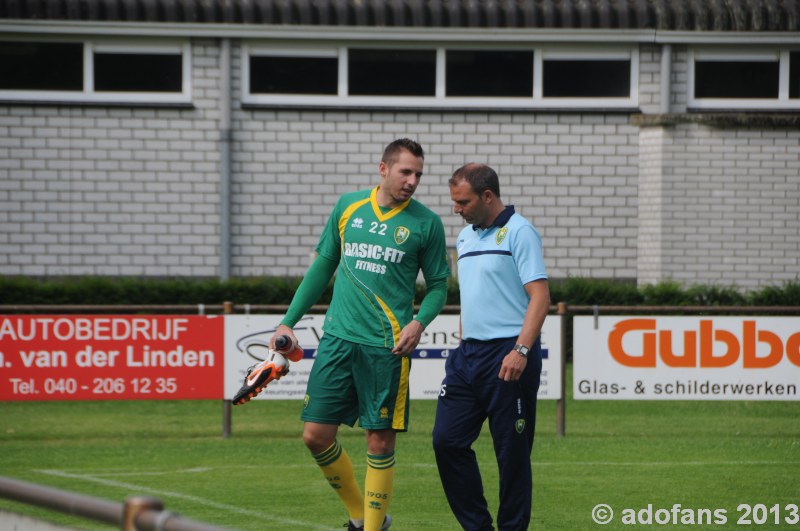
(670, 15)
(361, 33)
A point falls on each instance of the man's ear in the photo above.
(383, 169)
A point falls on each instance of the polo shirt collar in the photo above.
(500, 220)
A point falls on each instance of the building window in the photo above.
(489, 73)
(274, 74)
(440, 76)
(743, 79)
(41, 66)
(137, 72)
(92, 71)
(576, 78)
(740, 79)
(379, 72)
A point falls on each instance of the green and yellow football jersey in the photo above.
(380, 253)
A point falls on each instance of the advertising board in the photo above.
(686, 358)
(110, 357)
(246, 337)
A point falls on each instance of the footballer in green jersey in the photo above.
(376, 242)
(380, 253)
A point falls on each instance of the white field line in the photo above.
(116, 473)
(665, 463)
(100, 477)
(179, 495)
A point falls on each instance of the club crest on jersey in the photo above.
(520, 425)
(501, 235)
(401, 234)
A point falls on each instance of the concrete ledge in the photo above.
(720, 119)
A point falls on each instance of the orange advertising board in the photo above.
(687, 358)
(111, 357)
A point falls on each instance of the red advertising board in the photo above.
(111, 357)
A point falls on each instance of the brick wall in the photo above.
(135, 191)
(91, 190)
(573, 176)
(732, 206)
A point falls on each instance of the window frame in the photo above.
(570, 53)
(89, 95)
(728, 54)
(439, 100)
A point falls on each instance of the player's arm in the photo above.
(436, 271)
(538, 306)
(310, 290)
(527, 248)
(431, 305)
(433, 302)
(317, 277)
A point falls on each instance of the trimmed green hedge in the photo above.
(669, 293)
(110, 290)
(278, 290)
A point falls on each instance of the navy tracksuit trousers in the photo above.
(471, 392)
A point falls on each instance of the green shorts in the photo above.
(349, 381)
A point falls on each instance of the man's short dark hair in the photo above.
(393, 149)
(479, 176)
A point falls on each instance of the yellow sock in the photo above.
(378, 486)
(338, 469)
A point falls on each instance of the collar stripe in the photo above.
(373, 197)
(476, 253)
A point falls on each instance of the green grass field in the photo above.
(701, 455)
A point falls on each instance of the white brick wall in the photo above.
(653, 143)
(732, 206)
(113, 191)
(135, 191)
(650, 79)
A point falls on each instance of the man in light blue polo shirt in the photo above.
(494, 373)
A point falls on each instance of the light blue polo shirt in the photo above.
(494, 264)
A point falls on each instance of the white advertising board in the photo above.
(246, 337)
(686, 358)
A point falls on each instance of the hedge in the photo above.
(279, 290)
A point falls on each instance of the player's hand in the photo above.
(512, 367)
(282, 330)
(410, 336)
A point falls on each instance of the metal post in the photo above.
(227, 406)
(561, 403)
(137, 513)
(225, 143)
(666, 79)
(59, 500)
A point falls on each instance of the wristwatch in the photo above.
(522, 350)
